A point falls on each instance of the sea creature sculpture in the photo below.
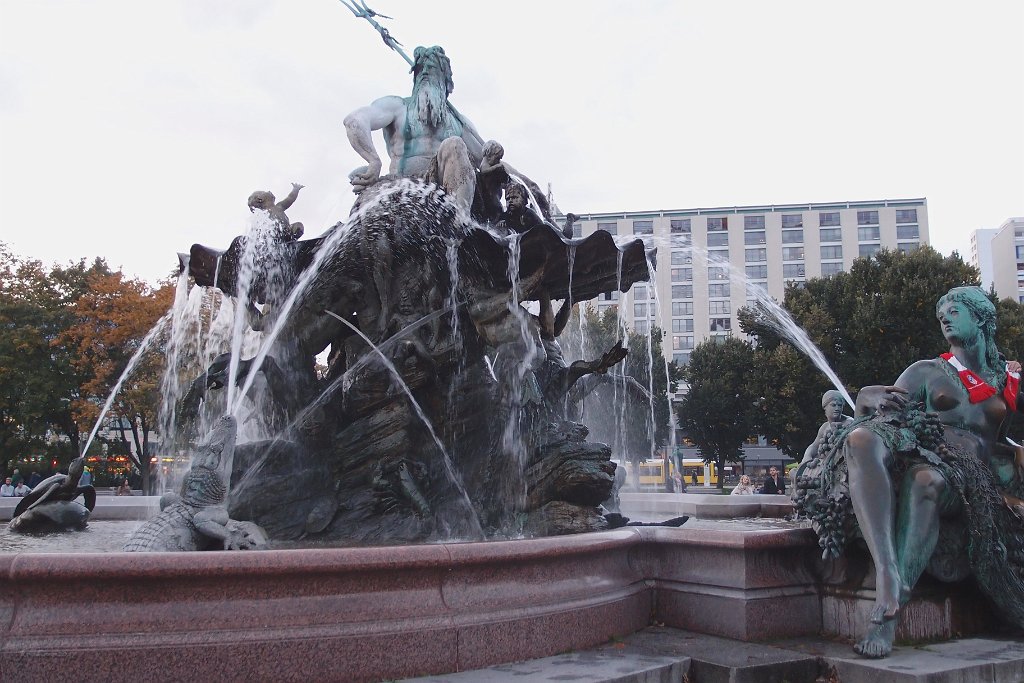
(198, 519)
(51, 506)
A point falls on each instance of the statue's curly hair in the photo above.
(983, 311)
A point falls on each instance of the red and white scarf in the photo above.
(978, 389)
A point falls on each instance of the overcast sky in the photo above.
(131, 129)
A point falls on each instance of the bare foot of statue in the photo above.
(888, 588)
(878, 641)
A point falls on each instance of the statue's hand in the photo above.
(881, 400)
(364, 176)
(297, 187)
(1012, 366)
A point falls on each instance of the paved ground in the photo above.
(665, 655)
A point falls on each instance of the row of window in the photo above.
(720, 290)
(721, 223)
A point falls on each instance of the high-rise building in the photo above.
(706, 257)
(999, 254)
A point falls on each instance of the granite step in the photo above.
(660, 654)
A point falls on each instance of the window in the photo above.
(756, 237)
(792, 253)
(718, 256)
(753, 222)
(682, 274)
(718, 273)
(682, 342)
(682, 308)
(792, 236)
(680, 258)
(831, 269)
(640, 326)
(718, 239)
(719, 307)
(721, 223)
(792, 220)
(681, 359)
(577, 229)
(639, 291)
(682, 291)
(793, 270)
(718, 338)
(756, 255)
(906, 215)
(907, 247)
(1020, 252)
(643, 227)
(831, 235)
(719, 290)
(682, 325)
(721, 324)
(681, 240)
(907, 232)
(610, 296)
(831, 252)
(867, 218)
(868, 234)
(640, 310)
(679, 225)
(757, 272)
(828, 218)
(612, 228)
(868, 249)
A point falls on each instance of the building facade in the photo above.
(999, 255)
(710, 260)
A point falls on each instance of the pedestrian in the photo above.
(34, 479)
(7, 490)
(21, 490)
(16, 477)
(86, 479)
(774, 483)
(744, 488)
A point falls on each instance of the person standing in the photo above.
(7, 490)
(774, 483)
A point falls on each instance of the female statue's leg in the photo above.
(917, 530)
(871, 492)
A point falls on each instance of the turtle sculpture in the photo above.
(53, 506)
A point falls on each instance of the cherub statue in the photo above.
(264, 200)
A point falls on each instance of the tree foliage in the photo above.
(870, 324)
(64, 333)
(718, 410)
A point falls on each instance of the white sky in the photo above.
(130, 129)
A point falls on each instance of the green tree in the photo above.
(870, 324)
(718, 409)
(38, 383)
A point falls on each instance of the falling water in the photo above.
(147, 341)
(449, 470)
(651, 287)
(326, 250)
(652, 274)
(452, 253)
(619, 373)
(780, 321)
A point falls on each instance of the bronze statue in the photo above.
(926, 455)
(263, 200)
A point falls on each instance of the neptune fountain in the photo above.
(442, 406)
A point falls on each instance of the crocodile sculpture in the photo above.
(198, 518)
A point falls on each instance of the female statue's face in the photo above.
(958, 325)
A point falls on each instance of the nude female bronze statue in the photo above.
(924, 454)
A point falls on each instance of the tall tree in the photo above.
(718, 409)
(38, 383)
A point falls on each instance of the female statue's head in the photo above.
(983, 319)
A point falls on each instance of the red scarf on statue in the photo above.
(978, 389)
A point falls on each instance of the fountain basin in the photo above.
(107, 507)
(654, 506)
(367, 614)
